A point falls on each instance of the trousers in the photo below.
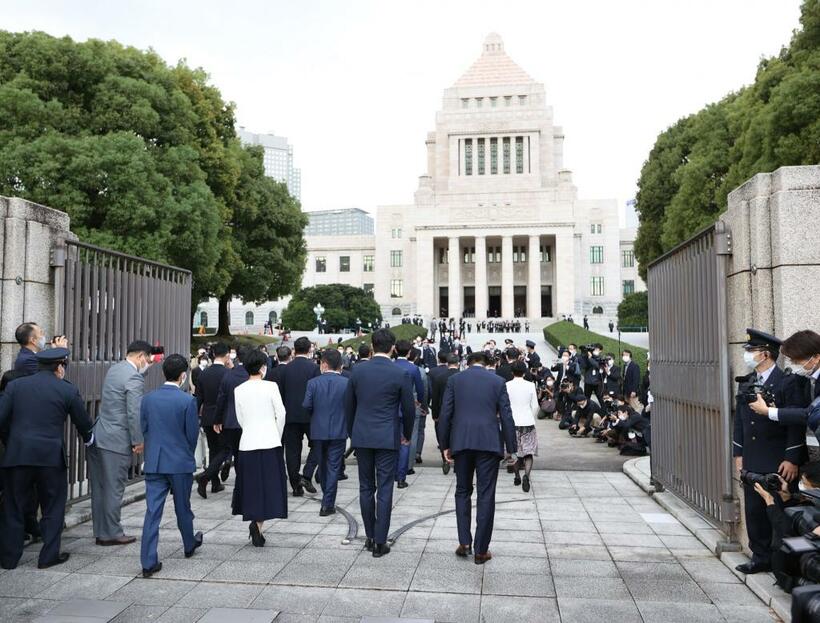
(156, 491)
(484, 466)
(108, 473)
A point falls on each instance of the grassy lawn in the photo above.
(234, 341)
(401, 331)
(562, 333)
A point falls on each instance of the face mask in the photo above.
(41, 343)
(233, 356)
(625, 358)
(144, 368)
(749, 359)
(565, 359)
(622, 416)
(263, 371)
(202, 365)
(550, 383)
(799, 370)
(596, 352)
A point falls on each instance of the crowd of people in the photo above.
(458, 328)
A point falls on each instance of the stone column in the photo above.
(454, 293)
(564, 290)
(534, 277)
(507, 277)
(481, 294)
(425, 276)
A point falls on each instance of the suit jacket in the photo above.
(26, 362)
(438, 382)
(293, 385)
(413, 370)
(799, 416)
(325, 403)
(429, 357)
(33, 411)
(505, 372)
(225, 402)
(207, 391)
(631, 379)
(475, 402)
(117, 428)
(170, 427)
(379, 405)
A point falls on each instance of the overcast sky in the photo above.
(355, 85)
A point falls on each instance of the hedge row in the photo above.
(563, 333)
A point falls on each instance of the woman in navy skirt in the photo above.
(260, 490)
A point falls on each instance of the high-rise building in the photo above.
(348, 222)
(278, 159)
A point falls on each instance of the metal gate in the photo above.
(103, 301)
(691, 412)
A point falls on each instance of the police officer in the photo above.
(32, 421)
(761, 445)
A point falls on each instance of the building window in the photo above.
(396, 288)
(628, 258)
(344, 263)
(519, 154)
(272, 317)
(493, 156)
(519, 255)
(545, 254)
(321, 264)
(480, 156)
(493, 102)
(507, 100)
(493, 255)
(442, 255)
(468, 156)
(595, 228)
(249, 318)
(597, 310)
(506, 149)
(469, 255)
(395, 259)
(479, 101)
(522, 100)
(395, 232)
(367, 263)
(368, 288)
(465, 102)
(629, 286)
(596, 255)
(597, 286)
(203, 319)
(396, 311)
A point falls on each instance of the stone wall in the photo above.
(28, 233)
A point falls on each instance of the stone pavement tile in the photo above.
(676, 590)
(708, 570)
(264, 554)
(669, 612)
(175, 614)
(521, 566)
(632, 540)
(217, 595)
(279, 539)
(729, 594)
(227, 537)
(502, 609)
(581, 537)
(211, 551)
(87, 585)
(127, 566)
(518, 536)
(9, 605)
(139, 614)
(519, 550)
(578, 610)
(236, 615)
(555, 517)
(348, 602)
(91, 608)
(609, 588)
(583, 568)
(747, 614)
(640, 554)
(306, 600)
(445, 608)
(671, 529)
(517, 584)
(244, 571)
(447, 579)
(88, 547)
(312, 574)
(75, 563)
(292, 527)
(186, 568)
(405, 544)
(153, 592)
(289, 617)
(681, 542)
(610, 527)
(329, 557)
(24, 583)
(384, 578)
(393, 620)
(30, 609)
(656, 570)
(579, 552)
(618, 514)
(327, 541)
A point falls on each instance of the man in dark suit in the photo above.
(439, 376)
(324, 401)
(428, 354)
(32, 426)
(293, 385)
(168, 418)
(631, 375)
(283, 355)
(533, 358)
(474, 405)
(380, 410)
(504, 370)
(225, 422)
(207, 392)
(32, 339)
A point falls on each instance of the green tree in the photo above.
(633, 310)
(343, 305)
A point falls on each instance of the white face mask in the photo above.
(550, 383)
(263, 371)
(202, 365)
(749, 359)
(596, 352)
(625, 358)
(233, 356)
(41, 343)
(799, 370)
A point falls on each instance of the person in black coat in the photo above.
(33, 412)
(631, 385)
(590, 362)
(207, 392)
(448, 366)
(293, 385)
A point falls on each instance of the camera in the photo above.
(770, 482)
(749, 390)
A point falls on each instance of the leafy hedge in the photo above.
(563, 333)
(401, 331)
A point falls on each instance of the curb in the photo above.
(761, 584)
(80, 512)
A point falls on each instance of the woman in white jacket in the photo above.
(524, 405)
(260, 490)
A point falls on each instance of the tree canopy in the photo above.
(343, 304)
(695, 163)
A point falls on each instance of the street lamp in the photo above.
(318, 310)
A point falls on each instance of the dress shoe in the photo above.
(445, 468)
(480, 559)
(216, 487)
(464, 550)
(510, 469)
(202, 487)
(147, 573)
(516, 481)
(401, 484)
(324, 512)
(256, 536)
(343, 476)
(380, 549)
(411, 471)
(307, 485)
(225, 471)
(61, 558)
(418, 460)
(525, 484)
(753, 567)
(298, 492)
(120, 540)
(197, 545)
(368, 545)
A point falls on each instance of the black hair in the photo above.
(452, 359)
(412, 354)
(802, 345)
(628, 352)
(283, 353)
(24, 332)
(812, 473)
(302, 346)
(511, 354)
(403, 348)
(332, 358)
(479, 357)
(519, 368)
(139, 346)
(383, 341)
(173, 366)
(254, 361)
(442, 356)
(365, 350)
(220, 349)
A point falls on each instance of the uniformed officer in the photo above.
(761, 445)
(32, 422)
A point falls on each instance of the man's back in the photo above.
(415, 375)
(117, 427)
(292, 386)
(170, 427)
(324, 400)
(438, 382)
(26, 362)
(225, 404)
(207, 391)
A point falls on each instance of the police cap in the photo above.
(530, 344)
(52, 355)
(757, 339)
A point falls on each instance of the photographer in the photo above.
(590, 362)
(587, 415)
(611, 376)
(760, 445)
(565, 403)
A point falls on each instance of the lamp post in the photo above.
(318, 310)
